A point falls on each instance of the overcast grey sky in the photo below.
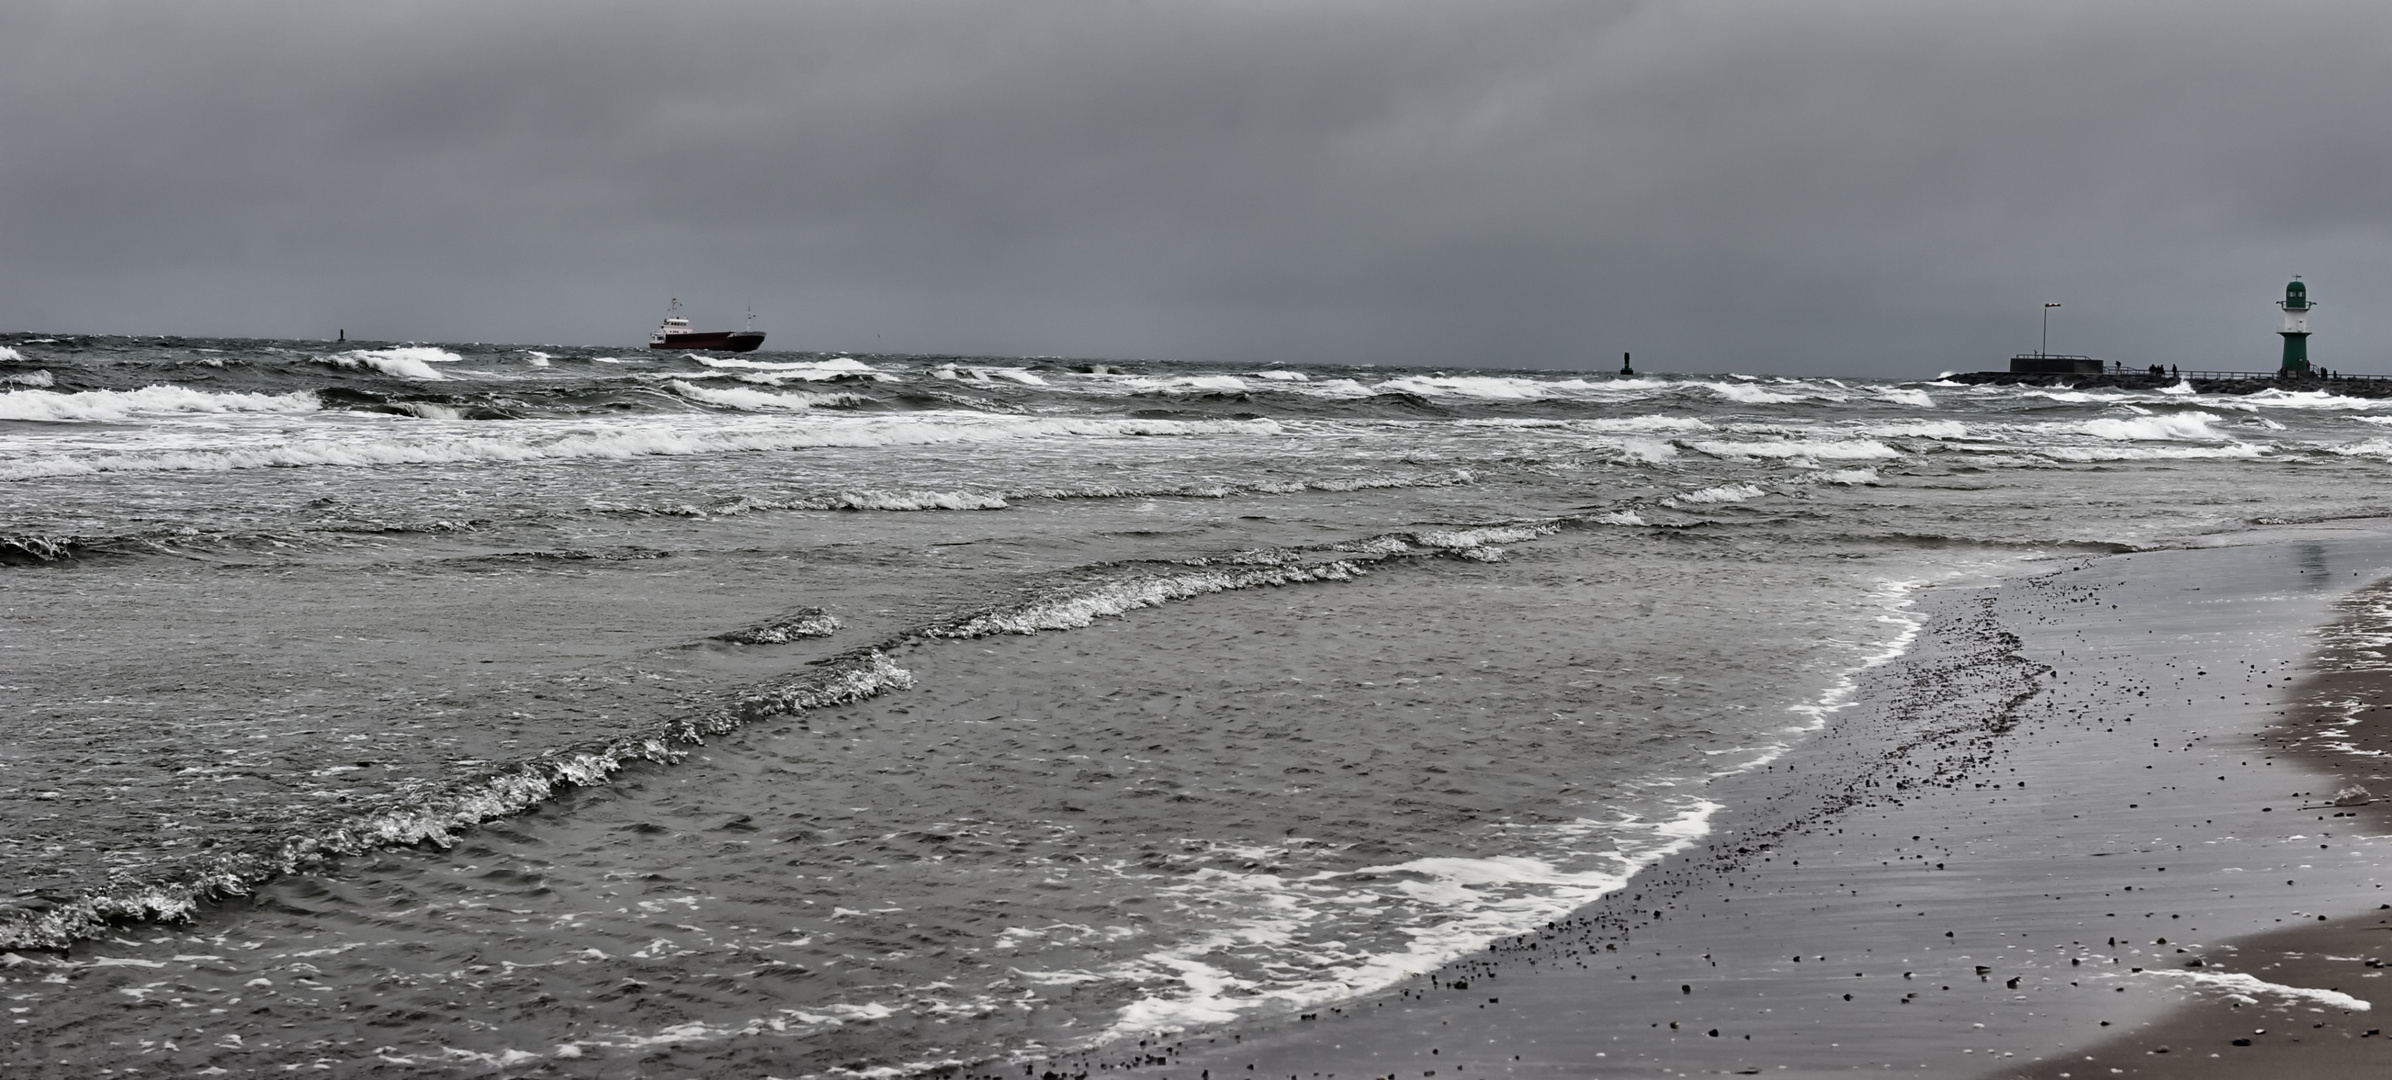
(1814, 187)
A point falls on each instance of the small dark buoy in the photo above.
(1625, 367)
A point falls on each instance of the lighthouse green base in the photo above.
(2296, 354)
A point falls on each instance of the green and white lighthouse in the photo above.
(2296, 329)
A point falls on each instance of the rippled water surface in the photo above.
(531, 711)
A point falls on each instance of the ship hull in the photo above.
(710, 341)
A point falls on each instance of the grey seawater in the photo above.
(418, 709)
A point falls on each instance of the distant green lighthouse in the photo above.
(2296, 329)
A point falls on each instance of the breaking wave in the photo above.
(554, 440)
(438, 819)
(89, 405)
(406, 362)
(733, 397)
(2191, 426)
(1824, 450)
(854, 676)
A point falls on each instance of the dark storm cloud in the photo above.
(1858, 187)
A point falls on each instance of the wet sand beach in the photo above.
(2081, 820)
(2334, 723)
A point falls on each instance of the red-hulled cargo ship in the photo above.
(676, 334)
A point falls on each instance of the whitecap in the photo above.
(961, 373)
(1747, 394)
(810, 370)
(753, 400)
(1649, 451)
(1490, 388)
(2150, 453)
(535, 440)
(1724, 493)
(1918, 429)
(2160, 427)
(2273, 397)
(1139, 384)
(406, 361)
(38, 404)
(1834, 450)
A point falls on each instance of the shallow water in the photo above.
(1156, 698)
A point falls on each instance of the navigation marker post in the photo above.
(2296, 330)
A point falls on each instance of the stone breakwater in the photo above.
(2355, 386)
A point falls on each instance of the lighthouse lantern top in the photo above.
(2296, 295)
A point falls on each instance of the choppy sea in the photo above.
(422, 709)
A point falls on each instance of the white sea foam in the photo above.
(963, 373)
(1280, 376)
(1646, 450)
(2155, 427)
(1848, 476)
(1462, 539)
(9, 354)
(2311, 399)
(1894, 603)
(810, 370)
(915, 500)
(2150, 453)
(406, 361)
(1654, 423)
(780, 1022)
(757, 400)
(1823, 450)
(1904, 395)
(2374, 448)
(1608, 425)
(161, 400)
(1485, 387)
(2073, 397)
(1747, 394)
(537, 358)
(532, 440)
(1139, 384)
(1083, 606)
(36, 379)
(1724, 493)
(1621, 517)
(1917, 429)
(1452, 906)
(438, 820)
(2238, 983)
